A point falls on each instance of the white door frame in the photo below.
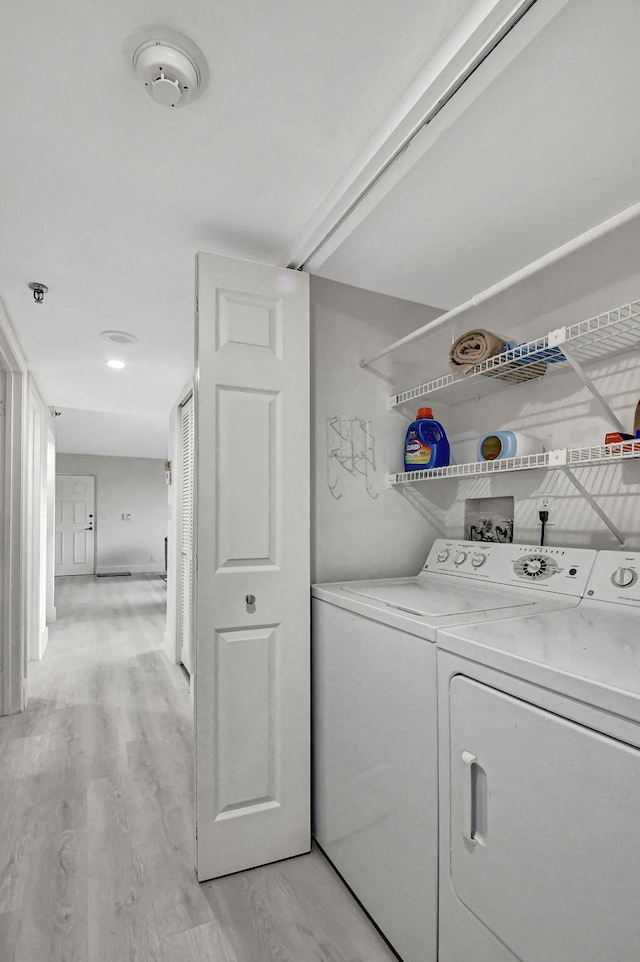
(179, 504)
(13, 570)
(51, 522)
(172, 634)
(37, 518)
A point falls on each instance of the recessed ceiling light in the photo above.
(118, 365)
(119, 337)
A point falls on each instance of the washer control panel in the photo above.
(561, 570)
(615, 578)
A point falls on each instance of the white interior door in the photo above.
(186, 531)
(75, 517)
(252, 567)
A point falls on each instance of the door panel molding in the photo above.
(248, 525)
(246, 719)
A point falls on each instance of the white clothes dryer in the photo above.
(375, 714)
(540, 780)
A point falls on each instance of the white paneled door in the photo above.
(252, 567)
(75, 524)
(186, 531)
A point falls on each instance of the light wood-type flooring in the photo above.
(96, 834)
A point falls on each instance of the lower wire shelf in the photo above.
(573, 457)
(563, 459)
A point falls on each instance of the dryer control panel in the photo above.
(560, 570)
(616, 577)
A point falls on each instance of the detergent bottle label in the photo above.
(416, 452)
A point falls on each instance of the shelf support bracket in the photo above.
(590, 386)
(592, 502)
(374, 370)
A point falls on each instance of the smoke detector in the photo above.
(38, 290)
(119, 337)
(172, 75)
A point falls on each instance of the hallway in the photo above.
(96, 860)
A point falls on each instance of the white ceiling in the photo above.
(107, 196)
(549, 149)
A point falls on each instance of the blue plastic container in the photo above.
(426, 445)
(507, 444)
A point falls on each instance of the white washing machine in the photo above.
(540, 780)
(375, 714)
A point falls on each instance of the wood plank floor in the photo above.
(96, 859)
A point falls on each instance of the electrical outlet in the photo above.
(546, 504)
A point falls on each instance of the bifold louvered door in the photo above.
(186, 531)
(252, 567)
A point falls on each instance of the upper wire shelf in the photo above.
(590, 340)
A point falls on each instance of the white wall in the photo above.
(134, 486)
(111, 433)
(358, 536)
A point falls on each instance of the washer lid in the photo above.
(439, 600)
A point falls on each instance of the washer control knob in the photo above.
(534, 566)
(478, 560)
(460, 558)
(624, 577)
(443, 555)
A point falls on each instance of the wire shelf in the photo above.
(474, 469)
(606, 334)
(601, 453)
(571, 457)
(590, 340)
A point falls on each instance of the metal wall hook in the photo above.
(355, 453)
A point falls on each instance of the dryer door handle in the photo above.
(468, 802)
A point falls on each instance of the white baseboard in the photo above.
(134, 569)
